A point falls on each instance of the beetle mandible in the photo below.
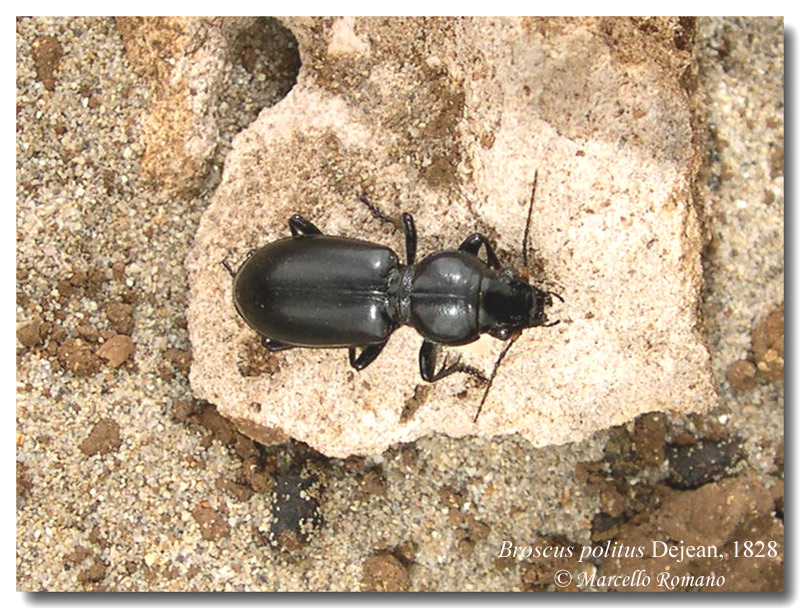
(318, 291)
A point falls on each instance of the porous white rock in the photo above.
(450, 120)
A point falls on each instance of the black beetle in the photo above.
(314, 290)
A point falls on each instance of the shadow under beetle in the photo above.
(319, 291)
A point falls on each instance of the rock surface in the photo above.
(450, 120)
(185, 61)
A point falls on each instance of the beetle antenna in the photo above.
(528, 225)
(494, 373)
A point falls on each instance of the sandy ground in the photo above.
(140, 501)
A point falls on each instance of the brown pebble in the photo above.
(164, 372)
(64, 288)
(479, 530)
(465, 547)
(221, 428)
(406, 552)
(371, 484)
(78, 358)
(611, 501)
(288, 540)
(709, 427)
(30, 335)
(213, 526)
(108, 182)
(266, 435)
(78, 278)
(768, 345)
(504, 563)
(120, 317)
(182, 359)
(244, 447)
(116, 350)
(384, 572)
(409, 455)
(59, 334)
(76, 556)
(741, 375)
(103, 439)
(776, 160)
(47, 53)
(239, 491)
(129, 296)
(183, 410)
(648, 437)
(248, 57)
(118, 269)
(88, 333)
(94, 574)
(259, 478)
(106, 334)
(97, 537)
(24, 484)
(195, 462)
(95, 277)
(683, 438)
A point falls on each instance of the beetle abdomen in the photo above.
(318, 291)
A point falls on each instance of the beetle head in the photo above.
(510, 304)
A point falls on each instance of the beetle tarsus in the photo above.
(367, 356)
(376, 212)
(472, 244)
(301, 227)
(474, 372)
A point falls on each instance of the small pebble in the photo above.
(116, 350)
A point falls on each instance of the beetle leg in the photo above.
(427, 365)
(367, 356)
(273, 346)
(411, 238)
(472, 244)
(301, 227)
